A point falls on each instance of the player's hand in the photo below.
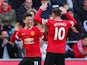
(44, 6)
(17, 28)
(63, 10)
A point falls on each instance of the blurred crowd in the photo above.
(11, 19)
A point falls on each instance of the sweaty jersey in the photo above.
(57, 32)
(31, 42)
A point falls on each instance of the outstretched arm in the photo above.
(42, 8)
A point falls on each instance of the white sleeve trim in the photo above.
(44, 21)
(72, 23)
(16, 36)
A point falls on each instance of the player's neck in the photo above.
(57, 18)
(28, 27)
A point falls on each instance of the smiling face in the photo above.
(4, 34)
(28, 21)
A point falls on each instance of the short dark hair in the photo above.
(70, 9)
(56, 11)
(83, 35)
(2, 31)
(26, 15)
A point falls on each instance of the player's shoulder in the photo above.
(35, 27)
(66, 21)
(22, 28)
(50, 19)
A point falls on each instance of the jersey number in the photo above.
(35, 62)
(59, 33)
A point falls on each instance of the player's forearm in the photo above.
(37, 17)
(71, 18)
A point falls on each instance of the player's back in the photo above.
(57, 33)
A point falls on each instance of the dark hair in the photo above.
(84, 35)
(56, 11)
(65, 3)
(32, 10)
(70, 9)
(2, 31)
(26, 15)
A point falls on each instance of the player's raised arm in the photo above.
(73, 21)
(42, 8)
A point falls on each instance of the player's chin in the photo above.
(29, 24)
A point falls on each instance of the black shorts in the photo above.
(54, 58)
(31, 61)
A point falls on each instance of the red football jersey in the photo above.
(57, 32)
(31, 42)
